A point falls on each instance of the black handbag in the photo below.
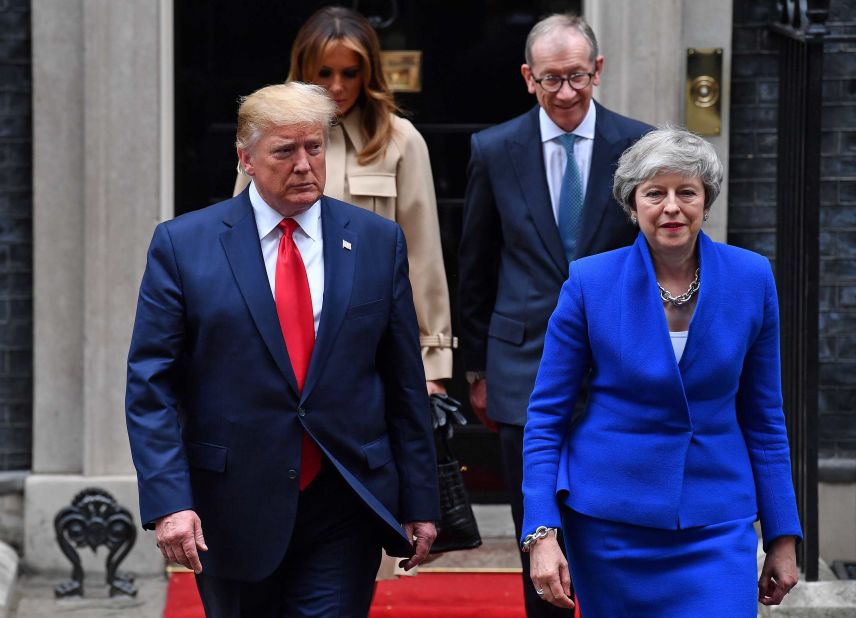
(457, 528)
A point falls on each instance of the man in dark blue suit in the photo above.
(539, 195)
(276, 403)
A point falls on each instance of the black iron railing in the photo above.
(801, 32)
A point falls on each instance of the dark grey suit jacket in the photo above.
(511, 261)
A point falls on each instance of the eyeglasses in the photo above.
(553, 83)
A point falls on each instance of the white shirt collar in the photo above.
(267, 219)
(550, 130)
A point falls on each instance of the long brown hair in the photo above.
(332, 25)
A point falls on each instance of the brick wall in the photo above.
(838, 239)
(752, 193)
(16, 230)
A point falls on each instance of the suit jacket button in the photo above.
(292, 474)
(301, 412)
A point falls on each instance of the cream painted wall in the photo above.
(644, 44)
(102, 180)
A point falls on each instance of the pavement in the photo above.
(31, 595)
(8, 576)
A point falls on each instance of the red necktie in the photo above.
(294, 308)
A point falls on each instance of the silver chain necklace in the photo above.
(684, 298)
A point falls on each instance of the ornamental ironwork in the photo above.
(93, 519)
(800, 32)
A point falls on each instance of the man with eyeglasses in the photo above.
(539, 195)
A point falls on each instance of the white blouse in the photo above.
(679, 342)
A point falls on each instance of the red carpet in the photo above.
(182, 598)
(444, 595)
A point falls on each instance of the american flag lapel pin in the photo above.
(346, 245)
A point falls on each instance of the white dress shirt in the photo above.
(555, 157)
(309, 241)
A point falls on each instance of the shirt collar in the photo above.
(267, 219)
(550, 130)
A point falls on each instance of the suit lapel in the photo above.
(707, 303)
(599, 187)
(527, 159)
(645, 342)
(241, 244)
(338, 281)
(644, 331)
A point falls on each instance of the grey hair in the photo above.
(289, 104)
(671, 150)
(559, 21)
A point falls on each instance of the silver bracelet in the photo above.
(529, 540)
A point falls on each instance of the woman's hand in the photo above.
(549, 572)
(780, 573)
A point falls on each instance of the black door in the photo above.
(471, 57)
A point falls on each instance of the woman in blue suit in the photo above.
(682, 445)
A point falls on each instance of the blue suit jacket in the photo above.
(661, 444)
(511, 260)
(214, 415)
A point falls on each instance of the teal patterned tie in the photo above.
(570, 199)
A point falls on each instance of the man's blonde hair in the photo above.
(281, 105)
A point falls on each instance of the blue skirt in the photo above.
(624, 570)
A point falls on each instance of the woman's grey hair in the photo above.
(290, 104)
(670, 150)
(560, 21)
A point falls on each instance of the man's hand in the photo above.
(549, 572)
(435, 386)
(478, 401)
(179, 536)
(779, 573)
(423, 534)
